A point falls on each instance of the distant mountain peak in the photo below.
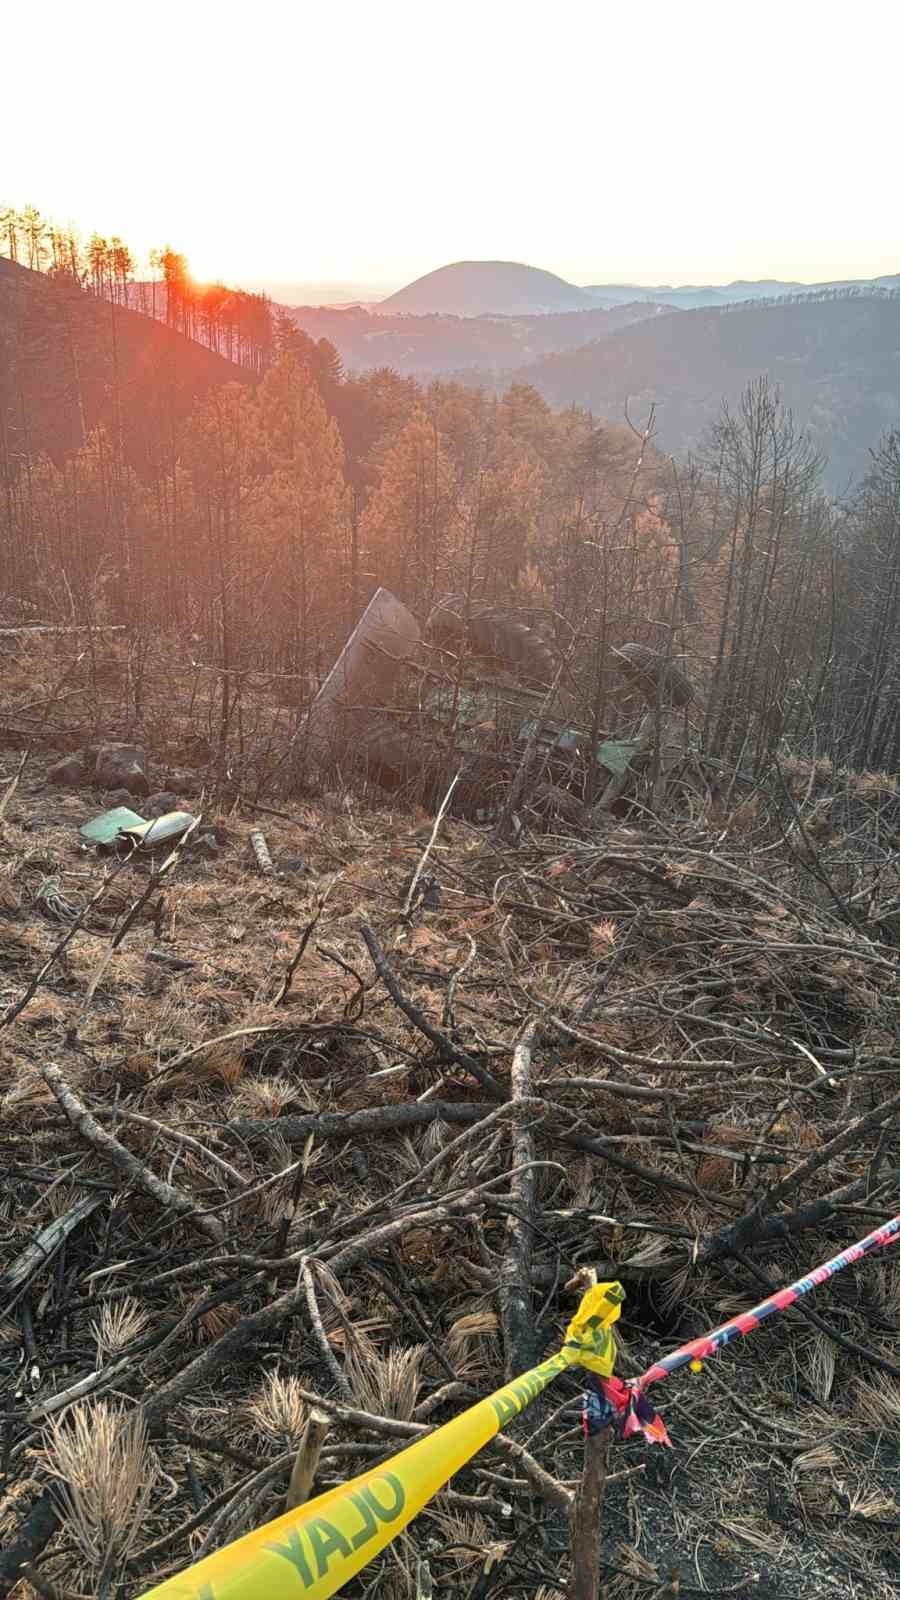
(488, 288)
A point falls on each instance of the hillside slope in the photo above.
(486, 288)
(836, 361)
(419, 345)
(69, 361)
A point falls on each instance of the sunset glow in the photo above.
(369, 144)
(449, 645)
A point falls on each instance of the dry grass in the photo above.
(738, 957)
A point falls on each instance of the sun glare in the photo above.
(474, 133)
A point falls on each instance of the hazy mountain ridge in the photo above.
(837, 362)
(64, 354)
(491, 288)
(695, 297)
(442, 344)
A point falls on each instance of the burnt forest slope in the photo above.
(837, 362)
(70, 361)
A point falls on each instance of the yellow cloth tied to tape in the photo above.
(589, 1334)
(312, 1551)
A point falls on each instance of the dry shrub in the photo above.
(98, 1455)
(42, 1011)
(820, 1458)
(224, 1061)
(217, 1321)
(117, 1325)
(819, 1364)
(265, 1097)
(631, 1564)
(277, 1410)
(472, 1343)
(602, 937)
(876, 1402)
(436, 1135)
(387, 1385)
(756, 1533)
(350, 1335)
(715, 1172)
(871, 1503)
(465, 1539)
(10, 903)
(26, 1092)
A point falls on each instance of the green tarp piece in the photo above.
(105, 828)
(615, 755)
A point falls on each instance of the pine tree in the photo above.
(225, 464)
(407, 526)
(307, 504)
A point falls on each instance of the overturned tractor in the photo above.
(415, 708)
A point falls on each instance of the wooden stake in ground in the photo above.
(515, 1272)
(424, 1586)
(587, 1509)
(306, 1461)
(261, 851)
(586, 1514)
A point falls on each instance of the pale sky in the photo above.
(369, 143)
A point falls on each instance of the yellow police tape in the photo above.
(315, 1549)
